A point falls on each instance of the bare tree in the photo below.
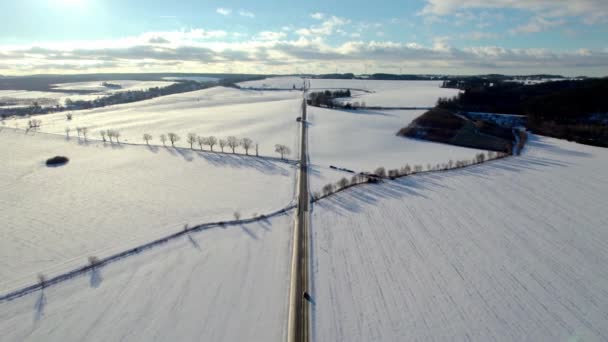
(78, 130)
(223, 144)
(343, 183)
(328, 189)
(380, 172)
(68, 116)
(147, 137)
(232, 142)
(110, 134)
(191, 139)
(282, 150)
(67, 132)
(33, 124)
(257, 146)
(173, 138)
(93, 261)
(237, 215)
(117, 135)
(42, 280)
(201, 141)
(85, 131)
(246, 143)
(102, 133)
(211, 141)
(163, 139)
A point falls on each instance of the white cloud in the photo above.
(224, 11)
(478, 35)
(270, 35)
(317, 16)
(247, 14)
(591, 11)
(537, 24)
(326, 28)
(271, 52)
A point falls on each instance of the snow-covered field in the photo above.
(216, 285)
(373, 92)
(43, 98)
(266, 117)
(126, 85)
(388, 93)
(362, 140)
(191, 78)
(111, 197)
(281, 82)
(511, 250)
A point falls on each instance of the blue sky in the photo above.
(421, 36)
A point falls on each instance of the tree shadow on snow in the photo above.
(248, 232)
(39, 307)
(238, 161)
(96, 277)
(541, 143)
(193, 242)
(152, 148)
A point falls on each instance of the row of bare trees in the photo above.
(380, 173)
(83, 133)
(232, 143)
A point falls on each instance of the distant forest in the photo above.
(573, 110)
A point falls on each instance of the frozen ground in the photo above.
(372, 92)
(512, 250)
(44, 99)
(266, 117)
(362, 140)
(126, 85)
(388, 93)
(191, 78)
(283, 82)
(112, 197)
(216, 285)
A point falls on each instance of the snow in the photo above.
(192, 78)
(227, 284)
(362, 140)
(510, 250)
(372, 92)
(43, 98)
(126, 85)
(282, 82)
(112, 197)
(379, 93)
(266, 117)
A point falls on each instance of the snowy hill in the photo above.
(110, 197)
(510, 250)
(215, 285)
(268, 118)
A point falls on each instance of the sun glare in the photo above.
(70, 2)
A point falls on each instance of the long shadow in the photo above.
(238, 161)
(193, 242)
(363, 112)
(96, 277)
(152, 148)
(538, 142)
(39, 307)
(248, 232)
(186, 154)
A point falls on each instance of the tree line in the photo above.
(406, 170)
(573, 110)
